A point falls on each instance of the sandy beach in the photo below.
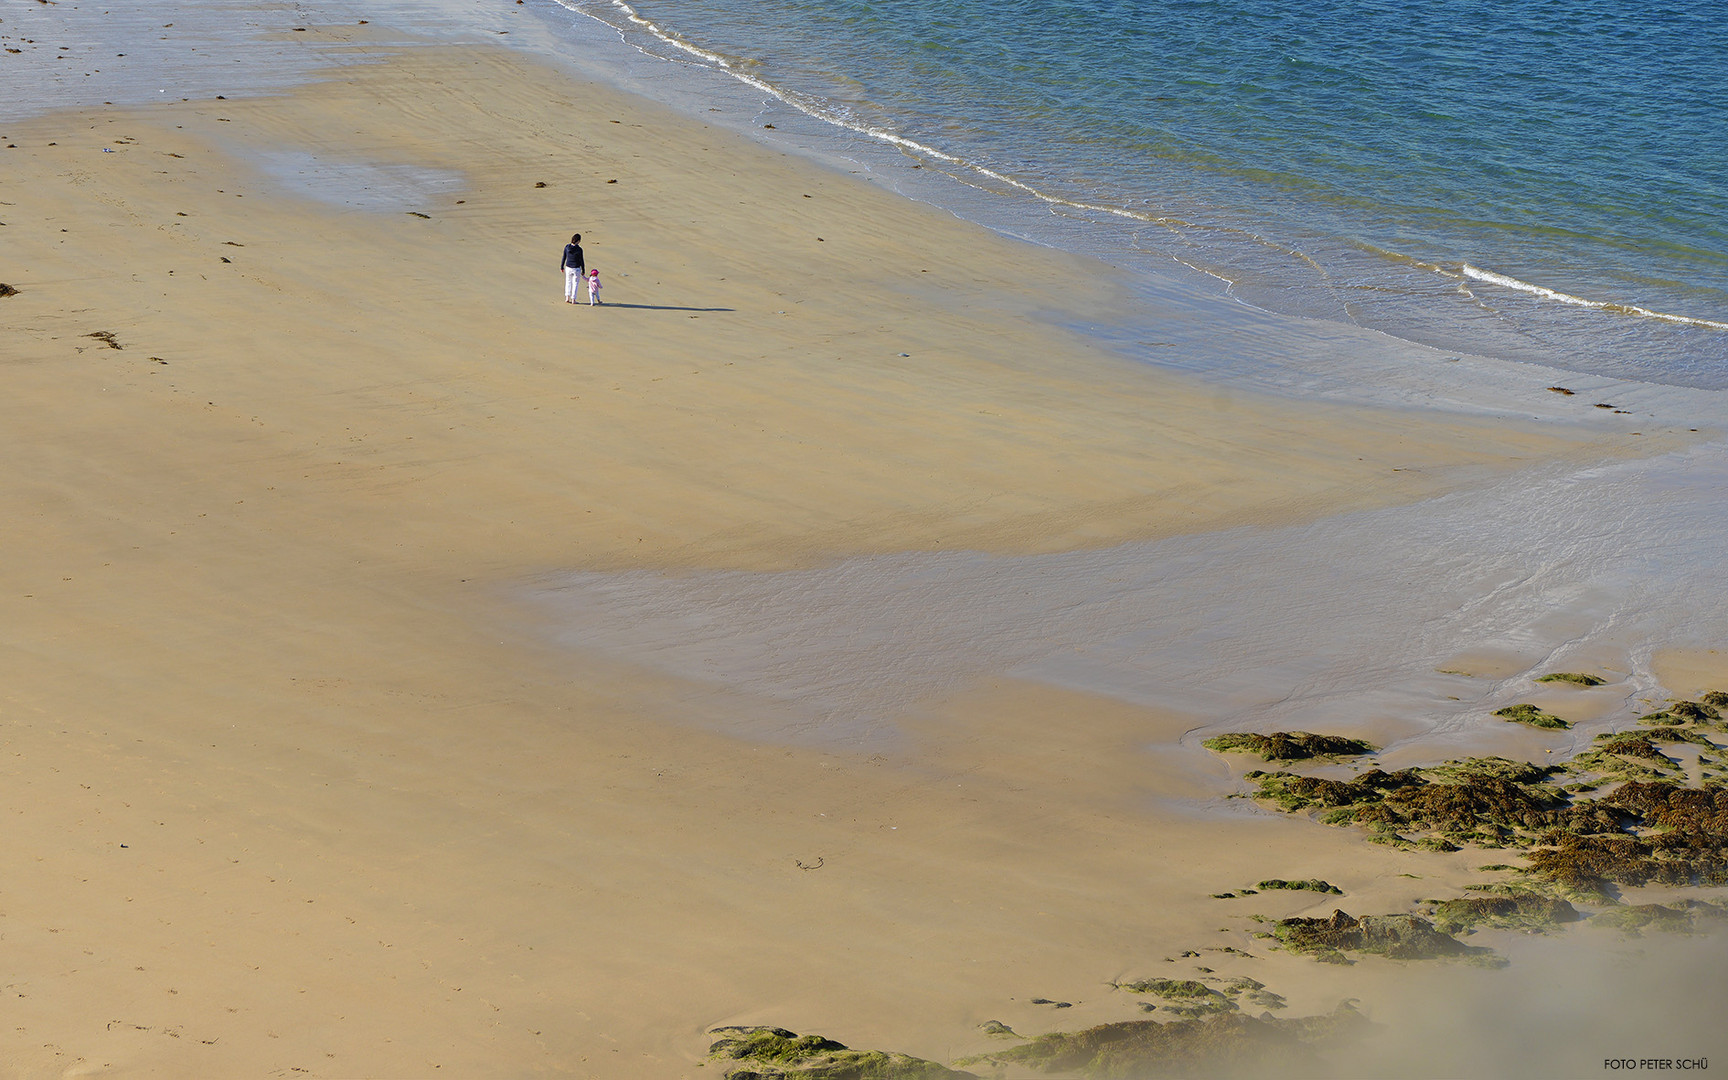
(297, 780)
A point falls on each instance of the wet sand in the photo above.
(296, 781)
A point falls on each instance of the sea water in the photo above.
(1544, 182)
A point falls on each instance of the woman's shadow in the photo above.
(662, 307)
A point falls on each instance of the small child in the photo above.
(593, 287)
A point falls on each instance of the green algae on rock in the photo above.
(1577, 678)
(1681, 839)
(1525, 713)
(1695, 711)
(1509, 910)
(1485, 801)
(1396, 937)
(1169, 988)
(1184, 997)
(1310, 885)
(1288, 745)
(1254, 992)
(758, 1053)
(1647, 830)
(1685, 917)
(1150, 1049)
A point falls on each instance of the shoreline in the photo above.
(293, 787)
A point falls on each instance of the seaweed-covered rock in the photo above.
(1631, 758)
(757, 1053)
(1294, 792)
(1684, 841)
(1288, 745)
(1484, 800)
(1148, 1049)
(1184, 997)
(1508, 911)
(1525, 713)
(1462, 808)
(1631, 745)
(1685, 917)
(1647, 828)
(1577, 678)
(1694, 711)
(1680, 735)
(1168, 988)
(1254, 992)
(1397, 937)
(1471, 770)
(1585, 866)
(1716, 699)
(1310, 885)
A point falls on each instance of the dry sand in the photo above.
(288, 786)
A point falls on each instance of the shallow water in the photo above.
(1345, 621)
(362, 185)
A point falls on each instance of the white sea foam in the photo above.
(827, 112)
(1478, 274)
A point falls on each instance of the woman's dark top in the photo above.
(572, 256)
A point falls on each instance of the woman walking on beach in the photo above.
(573, 269)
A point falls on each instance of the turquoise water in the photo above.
(1544, 181)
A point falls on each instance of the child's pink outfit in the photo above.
(593, 287)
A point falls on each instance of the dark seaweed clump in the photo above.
(1289, 745)
(1669, 835)
(1649, 830)
(1396, 937)
(757, 1053)
(1484, 801)
(1526, 713)
(1220, 1043)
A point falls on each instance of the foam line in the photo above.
(1505, 282)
